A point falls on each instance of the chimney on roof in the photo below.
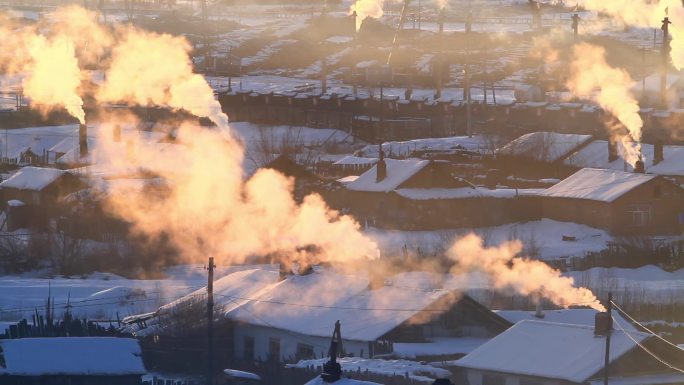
(83, 140)
(539, 313)
(603, 323)
(283, 272)
(639, 167)
(381, 167)
(612, 150)
(658, 152)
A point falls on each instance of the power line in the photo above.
(644, 327)
(645, 348)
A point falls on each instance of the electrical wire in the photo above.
(662, 361)
(642, 326)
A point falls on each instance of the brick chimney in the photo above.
(603, 323)
(658, 152)
(612, 150)
(381, 167)
(83, 140)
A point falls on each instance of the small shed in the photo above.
(71, 360)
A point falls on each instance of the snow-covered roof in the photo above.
(464, 192)
(544, 146)
(355, 160)
(398, 172)
(549, 350)
(596, 184)
(564, 316)
(421, 194)
(310, 304)
(32, 178)
(344, 381)
(93, 356)
(595, 155)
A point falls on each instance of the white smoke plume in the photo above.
(507, 271)
(590, 72)
(205, 206)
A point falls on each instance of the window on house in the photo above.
(274, 349)
(493, 379)
(305, 352)
(640, 215)
(248, 349)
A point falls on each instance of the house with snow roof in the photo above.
(547, 353)
(621, 202)
(271, 316)
(71, 360)
(538, 154)
(423, 194)
(659, 159)
(31, 194)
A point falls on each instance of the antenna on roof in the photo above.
(332, 371)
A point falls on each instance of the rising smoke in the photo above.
(590, 72)
(205, 205)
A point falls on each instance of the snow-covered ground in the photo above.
(99, 296)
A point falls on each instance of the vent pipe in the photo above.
(639, 167)
(612, 150)
(658, 152)
(83, 140)
(381, 167)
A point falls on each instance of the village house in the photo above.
(31, 195)
(422, 194)
(547, 353)
(71, 360)
(623, 203)
(288, 317)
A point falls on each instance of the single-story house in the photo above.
(39, 186)
(71, 360)
(624, 203)
(289, 317)
(547, 353)
(423, 194)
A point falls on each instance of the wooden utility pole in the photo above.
(609, 310)
(210, 322)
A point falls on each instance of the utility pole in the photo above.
(665, 52)
(609, 310)
(210, 322)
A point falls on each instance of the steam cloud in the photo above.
(589, 71)
(527, 277)
(205, 206)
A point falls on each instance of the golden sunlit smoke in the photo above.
(153, 69)
(589, 71)
(506, 270)
(53, 76)
(366, 8)
(209, 209)
(647, 14)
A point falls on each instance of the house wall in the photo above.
(289, 343)
(591, 213)
(479, 377)
(659, 202)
